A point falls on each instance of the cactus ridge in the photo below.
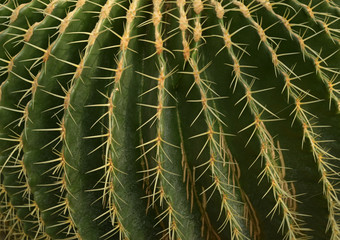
(169, 119)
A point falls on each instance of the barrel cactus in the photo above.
(170, 119)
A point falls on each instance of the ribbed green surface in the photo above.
(170, 119)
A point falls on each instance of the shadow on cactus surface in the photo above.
(136, 119)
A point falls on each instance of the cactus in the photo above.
(169, 119)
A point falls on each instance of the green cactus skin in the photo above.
(170, 119)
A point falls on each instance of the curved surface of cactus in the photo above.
(183, 119)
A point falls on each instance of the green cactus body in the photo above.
(169, 119)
